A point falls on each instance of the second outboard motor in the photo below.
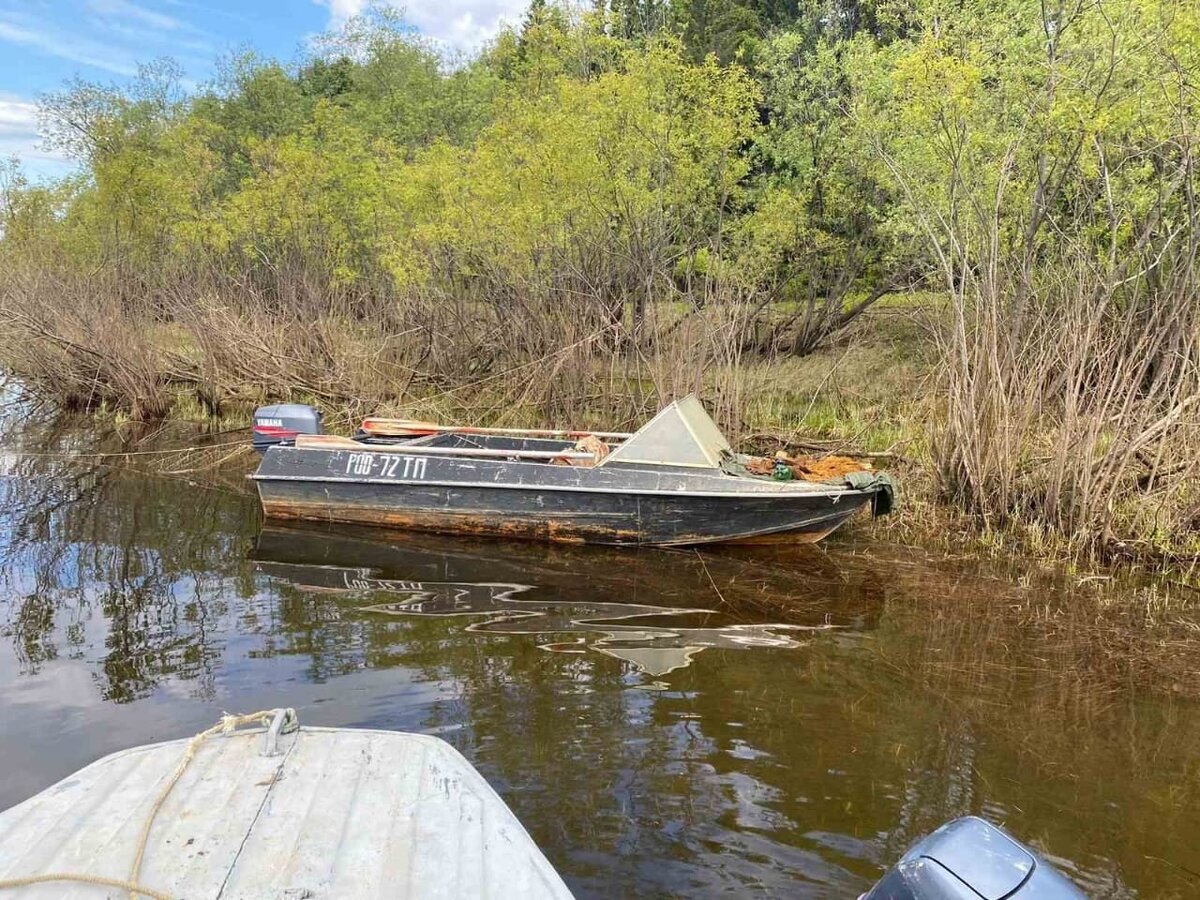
(968, 859)
(279, 424)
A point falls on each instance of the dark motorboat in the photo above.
(674, 482)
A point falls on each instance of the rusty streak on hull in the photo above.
(543, 527)
(447, 522)
(806, 536)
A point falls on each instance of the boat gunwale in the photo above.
(248, 731)
(748, 487)
(810, 489)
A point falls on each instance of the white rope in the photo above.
(227, 724)
(134, 889)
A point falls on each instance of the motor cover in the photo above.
(279, 424)
(970, 859)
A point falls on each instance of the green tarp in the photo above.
(884, 499)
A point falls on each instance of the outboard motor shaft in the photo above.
(279, 424)
(969, 859)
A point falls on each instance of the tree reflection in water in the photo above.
(95, 554)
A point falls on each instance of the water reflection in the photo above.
(77, 569)
(381, 577)
(813, 711)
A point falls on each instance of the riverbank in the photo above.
(579, 234)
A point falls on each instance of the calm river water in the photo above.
(663, 723)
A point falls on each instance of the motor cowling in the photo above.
(969, 859)
(279, 424)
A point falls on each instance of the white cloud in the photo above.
(76, 49)
(19, 137)
(461, 24)
(17, 116)
(19, 127)
(464, 24)
(126, 10)
(341, 11)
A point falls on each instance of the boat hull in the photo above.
(624, 520)
(542, 502)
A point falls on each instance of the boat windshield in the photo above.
(682, 434)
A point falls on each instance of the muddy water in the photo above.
(779, 723)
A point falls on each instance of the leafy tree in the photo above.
(327, 79)
(724, 28)
(609, 182)
(313, 201)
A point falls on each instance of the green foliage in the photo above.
(1068, 113)
(316, 193)
(29, 213)
(823, 202)
(800, 149)
(644, 155)
(561, 146)
(725, 29)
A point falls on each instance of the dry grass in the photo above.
(1069, 349)
(229, 346)
(1061, 413)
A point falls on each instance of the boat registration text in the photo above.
(380, 465)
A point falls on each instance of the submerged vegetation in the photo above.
(964, 232)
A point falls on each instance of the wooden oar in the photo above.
(398, 427)
(335, 442)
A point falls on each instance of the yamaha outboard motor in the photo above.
(968, 859)
(279, 424)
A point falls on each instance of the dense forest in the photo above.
(606, 207)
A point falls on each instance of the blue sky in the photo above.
(45, 42)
